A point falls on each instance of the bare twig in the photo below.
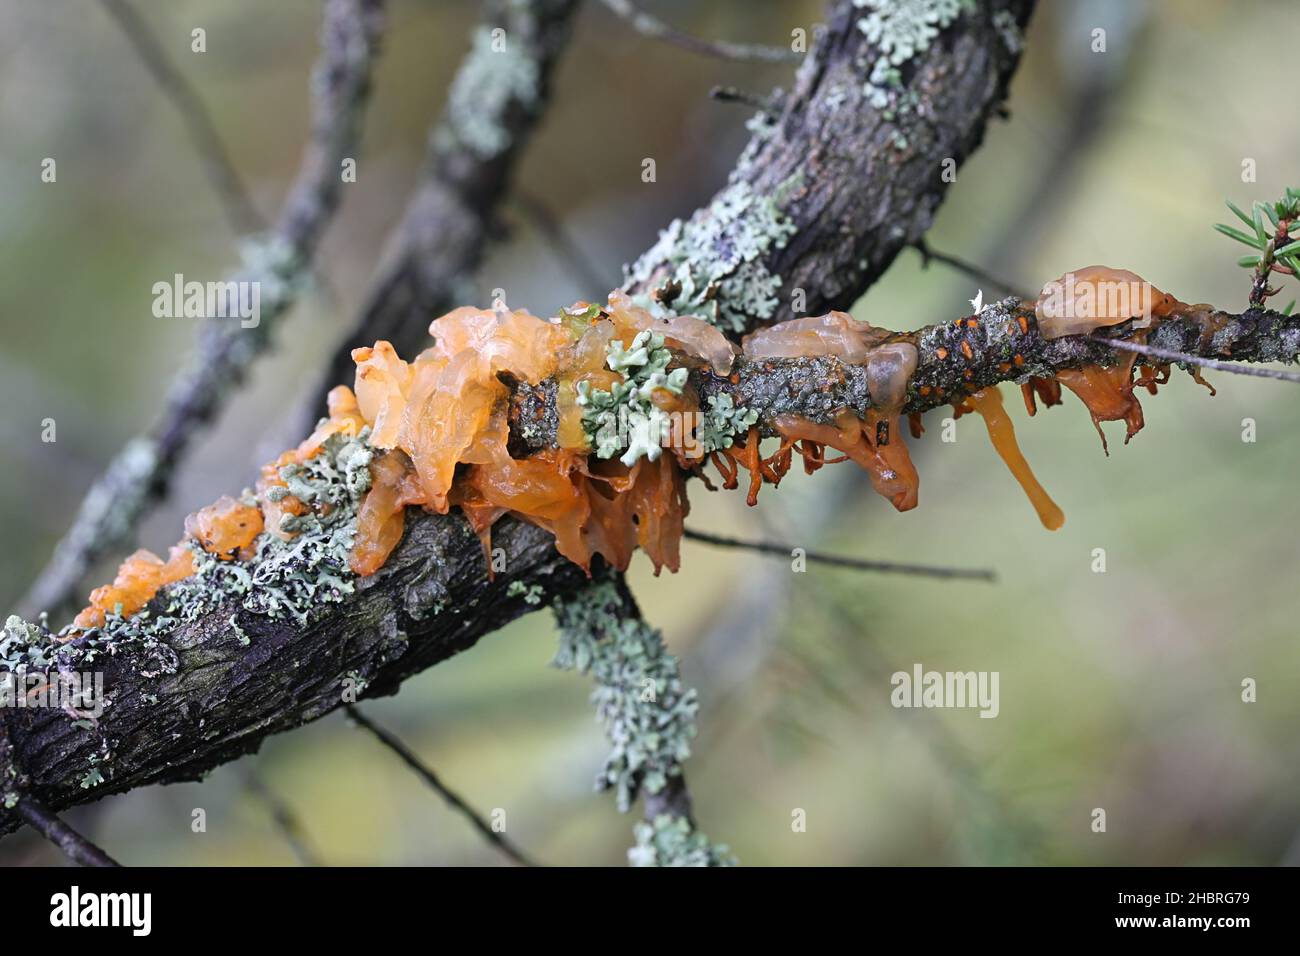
(842, 561)
(284, 820)
(235, 203)
(1172, 356)
(968, 269)
(732, 94)
(454, 800)
(142, 471)
(74, 846)
(651, 26)
(562, 244)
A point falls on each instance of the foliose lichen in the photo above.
(649, 715)
(722, 421)
(900, 29)
(672, 841)
(626, 414)
(497, 72)
(715, 260)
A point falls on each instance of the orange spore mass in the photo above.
(988, 403)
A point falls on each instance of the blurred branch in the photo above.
(283, 819)
(495, 102)
(731, 94)
(656, 29)
(453, 800)
(238, 208)
(841, 561)
(142, 471)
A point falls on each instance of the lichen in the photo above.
(672, 841)
(903, 28)
(714, 263)
(649, 715)
(625, 416)
(489, 81)
(722, 422)
(531, 593)
(283, 580)
(900, 29)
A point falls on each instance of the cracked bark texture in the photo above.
(863, 198)
(861, 187)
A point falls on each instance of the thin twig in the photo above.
(966, 268)
(732, 94)
(841, 561)
(1215, 364)
(431, 778)
(75, 847)
(235, 202)
(650, 26)
(562, 244)
(284, 820)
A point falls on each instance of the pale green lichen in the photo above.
(649, 715)
(903, 28)
(900, 29)
(625, 417)
(531, 593)
(714, 263)
(672, 841)
(722, 422)
(497, 72)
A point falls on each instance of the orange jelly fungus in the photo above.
(137, 581)
(1108, 394)
(445, 418)
(875, 444)
(226, 528)
(1093, 297)
(988, 403)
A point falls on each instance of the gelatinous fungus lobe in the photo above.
(988, 404)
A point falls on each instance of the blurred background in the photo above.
(1119, 690)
